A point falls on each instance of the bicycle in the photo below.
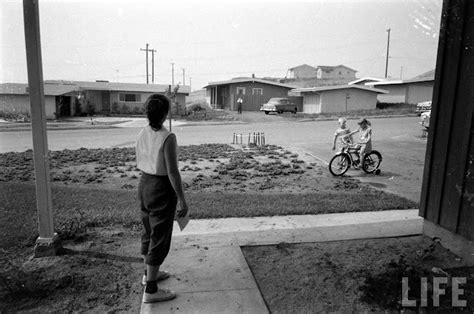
(342, 161)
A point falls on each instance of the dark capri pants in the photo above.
(158, 207)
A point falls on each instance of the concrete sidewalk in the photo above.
(209, 271)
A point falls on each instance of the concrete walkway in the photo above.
(209, 271)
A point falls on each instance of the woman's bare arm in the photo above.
(171, 160)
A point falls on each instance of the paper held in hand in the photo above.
(182, 221)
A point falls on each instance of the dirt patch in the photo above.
(352, 276)
(82, 279)
(211, 167)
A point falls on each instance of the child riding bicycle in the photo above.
(365, 143)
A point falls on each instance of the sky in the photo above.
(219, 40)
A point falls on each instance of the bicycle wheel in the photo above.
(372, 161)
(339, 164)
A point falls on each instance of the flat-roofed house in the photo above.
(411, 91)
(14, 97)
(338, 98)
(253, 91)
(106, 96)
(64, 98)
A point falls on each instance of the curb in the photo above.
(355, 118)
(53, 128)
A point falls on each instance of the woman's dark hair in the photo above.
(157, 107)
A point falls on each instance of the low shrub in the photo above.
(90, 109)
(15, 115)
(115, 107)
(137, 110)
(124, 109)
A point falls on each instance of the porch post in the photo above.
(47, 243)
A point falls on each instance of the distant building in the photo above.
(322, 72)
(411, 91)
(62, 98)
(303, 71)
(335, 72)
(336, 99)
(253, 91)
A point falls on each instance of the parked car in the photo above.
(279, 105)
(423, 107)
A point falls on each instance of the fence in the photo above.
(255, 138)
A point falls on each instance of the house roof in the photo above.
(248, 79)
(301, 66)
(366, 79)
(427, 75)
(57, 88)
(424, 77)
(49, 89)
(337, 87)
(401, 82)
(330, 68)
(129, 87)
(394, 82)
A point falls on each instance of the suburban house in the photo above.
(253, 91)
(335, 72)
(303, 71)
(69, 98)
(14, 97)
(338, 98)
(411, 91)
(322, 72)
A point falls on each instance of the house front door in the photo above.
(106, 101)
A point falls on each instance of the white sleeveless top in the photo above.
(150, 152)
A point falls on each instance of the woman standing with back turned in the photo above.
(159, 191)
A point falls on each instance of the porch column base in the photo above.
(457, 244)
(47, 246)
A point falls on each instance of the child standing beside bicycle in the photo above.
(342, 134)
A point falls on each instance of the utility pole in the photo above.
(388, 47)
(190, 83)
(153, 66)
(184, 81)
(146, 50)
(172, 73)
(401, 72)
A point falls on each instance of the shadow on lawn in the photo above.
(107, 256)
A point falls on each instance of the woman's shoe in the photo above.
(159, 296)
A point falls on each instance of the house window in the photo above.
(257, 91)
(130, 97)
(340, 72)
(241, 90)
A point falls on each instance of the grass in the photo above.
(76, 209)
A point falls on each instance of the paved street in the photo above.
(398, 139)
